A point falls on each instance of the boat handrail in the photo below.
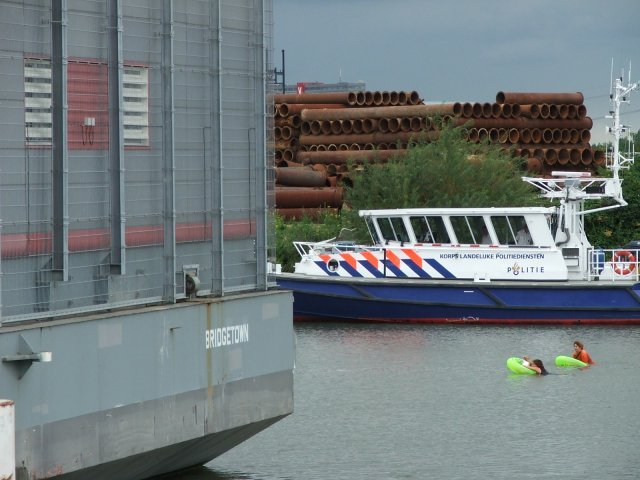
(613, 264)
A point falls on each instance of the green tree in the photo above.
(449, 172)
(613, 228)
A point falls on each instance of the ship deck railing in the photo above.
(613, 264)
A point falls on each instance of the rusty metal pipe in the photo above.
(413, 98)
(287, 154)
(585, 135)
(286, 109)
(587, 156)
(582, 111)
(521, 122)
(527, 97)
(291, 121)
(554, 146)
(306, 197)
(374, 137)
(329, 97)
(347, 126)
(368, 98)
(536, 135)
(551, 155)
(574, 136)
(563, 156)
(545, 111)
(534, 165)
(487, 110)
(342, 157)
(378, 112)
(394, 125)
(598, 157)
(563, 111)
(369, 125)
(300, 177)
(476, 111)
(530, 110)
(575, 156)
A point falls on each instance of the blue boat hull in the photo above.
(410, 301)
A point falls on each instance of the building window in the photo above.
(37, 102)
(87, 91)
(135, 106)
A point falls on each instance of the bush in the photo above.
(326, 226)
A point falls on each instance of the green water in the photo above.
(437, 402)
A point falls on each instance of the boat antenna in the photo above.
(611, 81)
(619, 95)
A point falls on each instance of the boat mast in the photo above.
(573, 188)
(618, 96)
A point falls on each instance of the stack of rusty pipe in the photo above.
(312, 184)
(550, 130)
(316, 134)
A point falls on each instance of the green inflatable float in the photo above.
(515, 365)
(562, 361)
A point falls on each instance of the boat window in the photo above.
(469, 229)
(386, 230)
(429, 229)
(398, 227)
(372, 231)
(393, 229)
(507, 227)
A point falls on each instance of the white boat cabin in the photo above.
(505, 227)
(480, 244)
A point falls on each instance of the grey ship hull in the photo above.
(144, 391)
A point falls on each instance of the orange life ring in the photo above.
(624, 262)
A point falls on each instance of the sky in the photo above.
(466, 50)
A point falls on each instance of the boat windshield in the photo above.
(393, 229)
(507, 227)
(429, 229)
(461, 229)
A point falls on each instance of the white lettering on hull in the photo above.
(221, 337)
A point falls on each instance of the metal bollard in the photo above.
(7, 440)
